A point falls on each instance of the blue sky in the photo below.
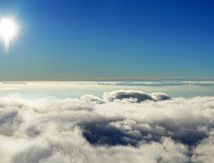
(109, 39)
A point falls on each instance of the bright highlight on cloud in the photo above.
(122, 126)
(8, 30)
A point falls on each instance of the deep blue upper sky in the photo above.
(109, 39)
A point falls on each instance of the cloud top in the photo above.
(134, 96)
(151, 128)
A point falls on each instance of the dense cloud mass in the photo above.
(134, 96)
(122, 126)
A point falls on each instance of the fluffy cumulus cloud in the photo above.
(122, 126)
(134, 96)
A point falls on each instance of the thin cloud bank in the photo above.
(122, 126)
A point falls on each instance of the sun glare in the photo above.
(8, 31)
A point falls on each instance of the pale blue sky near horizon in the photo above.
(109, 39)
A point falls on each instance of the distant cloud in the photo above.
(134, 96)
(150, 129)
(92, 99)
(159, 96)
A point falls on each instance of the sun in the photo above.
(8, 30)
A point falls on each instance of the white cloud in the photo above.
(134, 96)
(92, 99)
(93, 129)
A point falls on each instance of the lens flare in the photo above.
(8, 31)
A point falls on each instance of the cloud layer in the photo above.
(122, 126)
